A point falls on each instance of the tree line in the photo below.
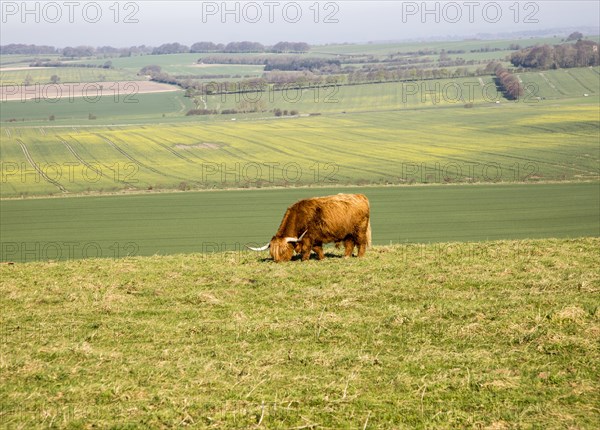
(106, 65)
(583, 53)
(508, 83)
(74, 51)
(166, 48)
(232, 48)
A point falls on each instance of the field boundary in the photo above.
(157, 191)
(88, 90)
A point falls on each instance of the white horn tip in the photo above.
(262, 248)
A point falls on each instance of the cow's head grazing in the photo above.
(281, 248)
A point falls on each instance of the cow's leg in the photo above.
(318, 248)
(349, 246)
(306, 248)
(362, 247)
(361, 242)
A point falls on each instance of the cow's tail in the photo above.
(369, 234)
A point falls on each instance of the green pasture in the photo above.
(173, 223)
(456, 335)
(171, 63)
(126, 106)
(556, 84)
(40, 75)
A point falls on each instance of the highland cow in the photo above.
(310, 223)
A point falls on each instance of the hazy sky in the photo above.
(123, 23)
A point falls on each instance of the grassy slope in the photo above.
(492, 335)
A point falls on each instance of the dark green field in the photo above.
(106, 110)
(114, 226)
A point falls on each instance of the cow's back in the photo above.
(335, 217)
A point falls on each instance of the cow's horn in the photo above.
(262, 248)
(295, 239)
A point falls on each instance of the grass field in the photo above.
(173, 63)
(493, 335)
(120, 106)
(40, 75)
(172, 223)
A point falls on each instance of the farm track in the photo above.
(115, 173)
(78, 157)
(129, 157)
(139, 163)
(89, 166)
(545, 78)
(37, 168)
(590, 90)
(165, 147)
(526, 87)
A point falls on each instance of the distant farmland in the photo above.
(92, 92)
(568, 86)
(465, 145)
(42, 75)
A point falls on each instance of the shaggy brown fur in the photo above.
(339, 218)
